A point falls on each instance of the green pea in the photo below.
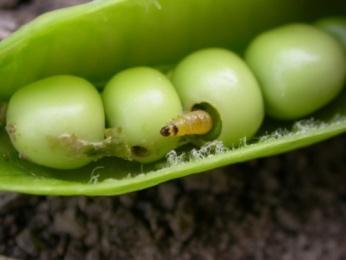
(299, 67)
(335, 26)
(138, 102)
(43, 115)
(219, 79)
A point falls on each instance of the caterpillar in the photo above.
(197, 122)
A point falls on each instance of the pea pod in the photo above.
(96, 40)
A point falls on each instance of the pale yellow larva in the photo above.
(197, 122)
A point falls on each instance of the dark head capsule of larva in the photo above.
(169, 130)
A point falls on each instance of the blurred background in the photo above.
(291, 206)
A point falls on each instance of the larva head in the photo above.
(221, 80)
(138, 102)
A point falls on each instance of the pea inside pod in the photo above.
(138, 102)
(218, 81)
(300, 69)
(53, 122)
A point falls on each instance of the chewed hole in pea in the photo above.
(139, 151)
(217, 122)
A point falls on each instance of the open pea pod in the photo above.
(96, 40)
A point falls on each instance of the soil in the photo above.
(291, 206)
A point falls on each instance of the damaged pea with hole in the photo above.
(219, 81)
(55, 122)
(139, 101)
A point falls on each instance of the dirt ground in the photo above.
(291, 206)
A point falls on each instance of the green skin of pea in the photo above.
(40, 113)
(139, 102)
(335, 26)
(299, 67)
(221, 79)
